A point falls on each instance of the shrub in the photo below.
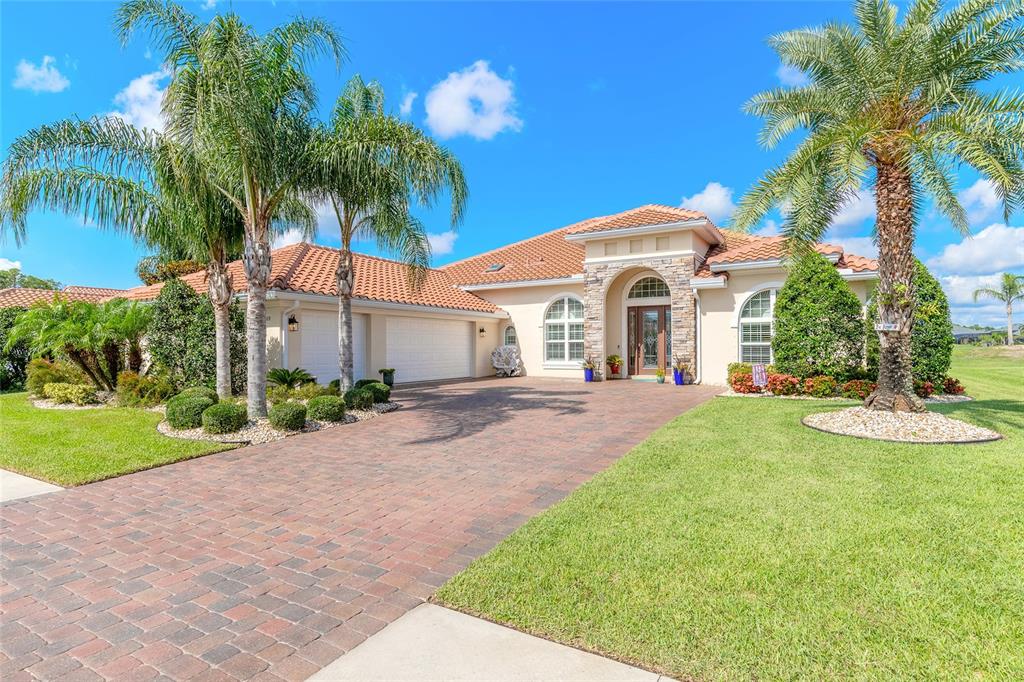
(202, 391)
(79, 394)
(783, 384)
(358, 399)
(381, 392)
(326, 408)
(335, 386)
(745, 368)
(136, 390)
(923, 389)
(13, 360)
(744, 383)
(952, 386)
(292, 378)
(858, 389)
(224, 418)
(363, 383)
(931, 341)
(310, 391)
(181, 337)
(41, 372)
(818, 325)
(278, 394)
(288, 416)
(185, 410)
(822, 386)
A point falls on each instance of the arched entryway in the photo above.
(647, 314)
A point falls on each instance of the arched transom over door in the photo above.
(648, 326)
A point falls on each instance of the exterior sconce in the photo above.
(293, 324)
(483, 332)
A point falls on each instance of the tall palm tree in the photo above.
(138, 182)
(893, 104)
(374, 166)
(1011, 289)
(243, 101)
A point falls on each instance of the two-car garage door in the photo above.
(422, 349)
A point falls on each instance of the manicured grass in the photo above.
(737, 544)
(71, 447)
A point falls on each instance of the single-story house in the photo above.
(650, 284)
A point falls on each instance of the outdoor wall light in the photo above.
(293, 323)
(483, 332)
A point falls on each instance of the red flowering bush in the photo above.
(822, 386)
(858, 389)
(951, 386)
(923, 389)
(743, 383)
(783, 384)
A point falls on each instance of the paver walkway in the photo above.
(269, 562)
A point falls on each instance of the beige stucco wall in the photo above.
(679, 241)
(718, 318)
(526, 306)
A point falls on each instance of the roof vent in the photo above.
(494, 267)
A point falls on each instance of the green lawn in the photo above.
(71, 447)
(737, 544)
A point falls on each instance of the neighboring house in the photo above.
(968, 335)
(649, 284)
(22, 298)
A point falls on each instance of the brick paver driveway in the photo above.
(271, 561)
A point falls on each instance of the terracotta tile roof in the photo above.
(103, 292)
(857, 263)
(310, 268)
(23, 298)
(642, 216)
(743, 248)
(546, 256)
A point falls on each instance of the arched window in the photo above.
(563, 330)
(648, 287)
(756, 327)
(510, 338)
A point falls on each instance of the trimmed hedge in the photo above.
(784, 384)
(79, 394)
(326, 408)
(858, 389)
(744, 383)
(822, 386)
(359, 399)
(364, 382)
(185, 410)
(202, 391)
(224, 418)
(381, 392)
(288, 416)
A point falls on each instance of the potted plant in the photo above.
(659, 374)
(614, 363)
(679, 372)
(387, 376)
(588, 369)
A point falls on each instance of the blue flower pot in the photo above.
(588, 374)
(678, 377)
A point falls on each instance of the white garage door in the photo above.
(421, 349)
(320, 345)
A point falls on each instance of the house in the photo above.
(649, 284)
(20, 297)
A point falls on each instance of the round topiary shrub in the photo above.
(326, 408)
(364, 382)
(185, 410)
(224, 418)
(381, 392)
(202, 391)
(288, 416)
(358, 399)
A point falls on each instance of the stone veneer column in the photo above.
(593, 314)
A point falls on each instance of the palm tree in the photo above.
(139, 182)
(1011, 289)
(243, 102)
(895, 105)
(374, 166)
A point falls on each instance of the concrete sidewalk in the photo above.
(15, 486)
(434, 643)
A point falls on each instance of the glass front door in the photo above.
(648, 338)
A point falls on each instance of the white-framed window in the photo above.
(563, 330)
(756, 327)
(648, 287)
(509, 336)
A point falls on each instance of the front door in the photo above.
(650, 340)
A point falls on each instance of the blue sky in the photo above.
(558, 112)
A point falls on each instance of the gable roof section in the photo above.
(310, 269)
(23, 298)
(648, 215)
(546, 256)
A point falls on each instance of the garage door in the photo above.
(320, 344)
(421, 349)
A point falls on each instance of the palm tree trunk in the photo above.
(135, 356)
(346, 284)
(219, 288)
(1009, 324)
(83, 363)
(257, 271)
(895, 293)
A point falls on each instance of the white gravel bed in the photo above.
(733, 394)
(260, 431)
(904, 427)
(46, 404)
(943, 398)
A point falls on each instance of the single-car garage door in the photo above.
(421, 349)
(320, 345)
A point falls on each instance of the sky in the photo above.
(557, 111)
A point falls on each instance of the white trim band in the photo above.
(522, 283)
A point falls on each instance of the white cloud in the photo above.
(406, 107)
(42, 78)
(474, 101)
(209, 4)
(960, 288)
(996, 248)
(791, 76)
(287, 238)
(7, 264)
(715, 200)
(770, 228)
(442, 243)
(139, 103)
(980, 201)
(855, 211)
(858, 246)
